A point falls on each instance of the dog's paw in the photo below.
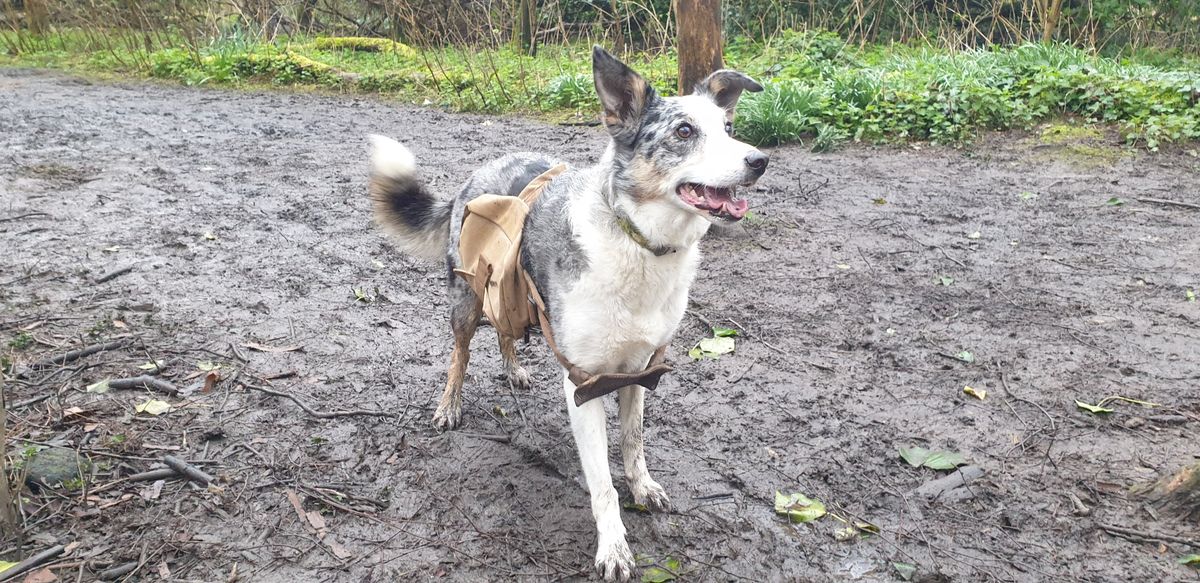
(446, 417)
(518, 379)
(648, 493)
(614, 560)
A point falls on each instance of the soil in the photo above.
(857, 285)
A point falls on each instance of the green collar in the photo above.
(634, 233)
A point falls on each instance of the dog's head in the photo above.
(677, 153)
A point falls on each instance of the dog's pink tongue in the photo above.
(719, 200)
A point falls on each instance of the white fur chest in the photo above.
(627, 302)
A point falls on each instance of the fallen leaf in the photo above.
(73, 412)
(100, 387)
(880, 201)
(339, 551)
(965, 356)
(724, 332)
(945, 280)
(1114, 201)
(842, 266)
(937, 460)
(152, 491)
(905, 570)
(975, 235)
(209, 236)
(6, 565)
(164, 571)
(1193, 560)
(207, 366)
(717, 345)
(798, 507)
(845, 534)
(41, 576)
(635, 507)
(119, 324)
(1094, 409)
(1190, 295)
(265, 348)
(152, 365)
(980, 394)
(316, 520)
(211, 378)
(112, 249)
(657, 575)
(1029, 195)
(154, 407)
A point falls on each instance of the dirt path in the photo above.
(244, 218)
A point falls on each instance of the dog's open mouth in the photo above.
(719, 202)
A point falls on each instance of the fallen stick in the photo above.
(24, 216)
(1146, 536)
(314, 412)
(154, 475)
(1170, 202)
(74, 355)
(32, 562)
(114, 274)
(144, 382)
(28, 402)
(118, 571)
(187, 470)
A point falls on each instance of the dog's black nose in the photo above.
(757, 161)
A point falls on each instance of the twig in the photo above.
(589, 124)
(314, 412)
(153, 475)
(1170, 202)
(187, 470)
(114, 274)
(32, 562)
(28, 402)
(26, 215)
(74, 355)
(496, 438)
(144, 382)
(1146, 536)
(118, 571)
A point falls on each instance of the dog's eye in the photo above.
(729, 127)
(684, 131)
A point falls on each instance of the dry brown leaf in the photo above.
(295, 500)
(265, 348)
(210, 381)
(41, 576)
(339, 551)
(316, 520)
(163, 570)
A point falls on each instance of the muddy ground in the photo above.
(243, 218)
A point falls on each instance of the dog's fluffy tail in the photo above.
(402, 205)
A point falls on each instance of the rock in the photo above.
(55, 466)
(950, 487)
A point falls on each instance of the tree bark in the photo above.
(699, 45)
(1178, 494)
(526, 10)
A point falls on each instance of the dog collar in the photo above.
(634, 233)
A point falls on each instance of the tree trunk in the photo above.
(1050, 19)
(37, 16)
(699, 41)
(1179, 494)
(307, 7)
(526, 11)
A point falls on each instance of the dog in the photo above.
(612, 249)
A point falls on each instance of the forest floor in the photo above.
(871, 285)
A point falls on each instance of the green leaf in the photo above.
(657, 575)
(798, 507)
(720, 332)
(695, 353)
(717, 346)
(880, 201)
(635, 507)
(207, 366)
(5, 565)
(1094, 409)
(905, 570)
(1193, 560)
(965, 356)
(937, 460)
(1114, 201)
(154, 407)
(1029, 195)
(100, 387)
(1191, 295)
(945, 280)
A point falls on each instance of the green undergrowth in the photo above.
(818, 90)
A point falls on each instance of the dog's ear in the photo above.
(623, 93)
(724, 87)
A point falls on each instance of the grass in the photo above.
(819, 90)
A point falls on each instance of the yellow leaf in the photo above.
(5, 565)
(980, 394)
(154, 407)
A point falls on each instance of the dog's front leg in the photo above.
(588, 422)
(645, 490)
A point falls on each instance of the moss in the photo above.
(1062, 133)
(363, 44)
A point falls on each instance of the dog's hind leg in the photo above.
(645, 490)
(614, 560)
(518, 377)
(464, 319)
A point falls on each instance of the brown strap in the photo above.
(590, 386)
(534, 189)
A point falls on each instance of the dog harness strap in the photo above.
(590, 386)
(638, 237)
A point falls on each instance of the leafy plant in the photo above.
(938, 460)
